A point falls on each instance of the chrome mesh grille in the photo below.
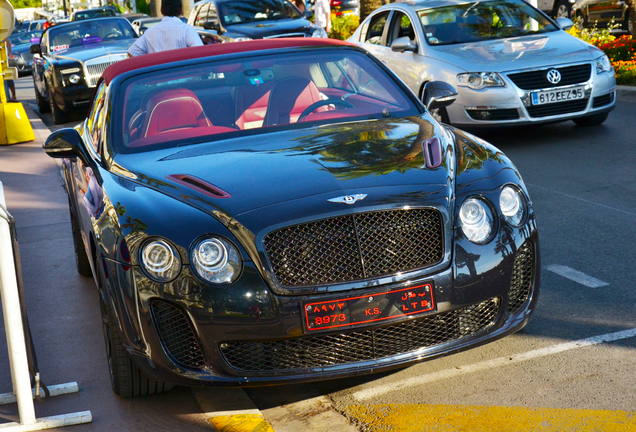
(355, 247)
(522, 277)
(361, 345)
(534, 80)
(177, 335)
(95, 71)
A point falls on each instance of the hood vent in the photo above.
(199, 185)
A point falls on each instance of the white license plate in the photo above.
(554, 96)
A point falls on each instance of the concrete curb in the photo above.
(626, 93)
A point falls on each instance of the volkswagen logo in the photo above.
(553, 76)
(347, 199)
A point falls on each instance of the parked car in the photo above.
(219, 21)
(71, 57)
(133, 16)
(511, 64)
(142, 24)
(21, 56)
(345, 7)
(589, 13)
(276, 211)
(556, 8)
(34, 25)
(102, 12)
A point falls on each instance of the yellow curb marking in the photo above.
(241, 423)
(434, 418)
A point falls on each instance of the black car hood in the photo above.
(265, 29)
(300, 168)
(91, 51)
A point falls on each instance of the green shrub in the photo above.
(343, 26)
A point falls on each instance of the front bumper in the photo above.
(513, 106)
(73, 98)
(245, 335)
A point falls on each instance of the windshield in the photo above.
(24, 37)
(478, 21)
(88, 32)
(78, 16)
(249, 11)
(201, 102)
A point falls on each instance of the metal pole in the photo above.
(13, 321)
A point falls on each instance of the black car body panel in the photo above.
(246, 186)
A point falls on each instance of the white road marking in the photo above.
(576, 276)
(370, 393)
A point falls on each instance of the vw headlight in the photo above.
(480, 80)
(476, 220)
(160, 260)
(216, 260)
(512, 205)
(603, 64)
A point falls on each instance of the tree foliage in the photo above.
(19, 4)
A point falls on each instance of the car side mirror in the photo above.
(67, 143)
(308, 14)
(142, 30)
(565, 23)
(35, 49)
(212, 25)
(438, 94)
(403, 44)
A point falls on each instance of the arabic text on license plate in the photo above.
(368, 308)
(553, 96)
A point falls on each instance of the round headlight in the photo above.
(476, 220)
(160, 260)
(74, 79)
(216, 260)
(512, 205)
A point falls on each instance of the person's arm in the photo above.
(139, 47)
(328, 17)
(193, 38)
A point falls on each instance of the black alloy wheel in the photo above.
(81, 259)
(43, 105)
(127, 380)
(59, 116)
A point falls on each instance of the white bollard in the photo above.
(13, 321)
(23, 395)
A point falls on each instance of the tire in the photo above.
(592, 120)
(43, 105)
(59, 116)
(126, 379)
(562, 9)
(81, 259)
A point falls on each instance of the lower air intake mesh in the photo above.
(522, 277)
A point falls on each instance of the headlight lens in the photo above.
(476, 220)
(512, 205)
(74, 79)
(160, 260)
(216, 260)
(480, 80)
(603, 64)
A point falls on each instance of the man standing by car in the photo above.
(322, 12)
(171, 33)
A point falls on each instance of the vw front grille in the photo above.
(537, 79)
(355, 247)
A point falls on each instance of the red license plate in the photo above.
(369, 308)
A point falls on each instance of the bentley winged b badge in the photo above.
(348, 199)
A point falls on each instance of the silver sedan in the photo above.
(511, 64)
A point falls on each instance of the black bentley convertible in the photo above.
(287, 210)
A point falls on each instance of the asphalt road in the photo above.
(569, 369)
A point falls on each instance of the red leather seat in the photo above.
(251, 105)
(172, 110)
(289, 98)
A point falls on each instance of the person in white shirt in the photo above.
(171, 33)
(322, 13)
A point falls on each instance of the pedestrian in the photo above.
(9, 85)
(170, 33)
(322, 13)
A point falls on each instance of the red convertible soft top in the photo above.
(213, 50)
